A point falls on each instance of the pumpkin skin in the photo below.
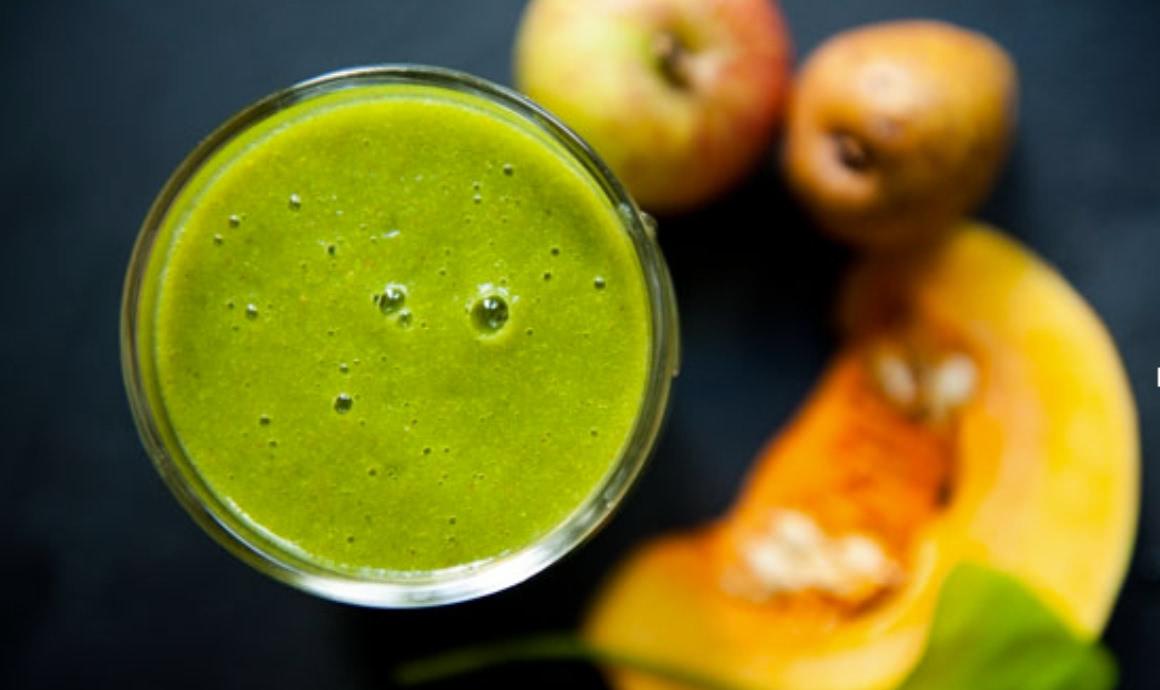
(1042, 462)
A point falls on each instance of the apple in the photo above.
(680, 98)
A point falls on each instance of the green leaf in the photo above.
(991, 632)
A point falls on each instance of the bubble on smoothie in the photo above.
(251, 311)
(295, 202)
(218, 239)
(343, 402)
(508, 169)
(477, 198)
(264, 420)
(332, 249)
(234, 220)
(490, 313)
(343, 367)
(392, 298)
(555, 251)
(547, 275)
(405, 318)
(598, 282)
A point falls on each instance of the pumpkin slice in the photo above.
(977, 412)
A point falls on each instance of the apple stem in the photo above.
(670, 54)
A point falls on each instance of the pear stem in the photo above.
(546, 647)
(851, 151)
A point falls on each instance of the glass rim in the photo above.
(402, 589)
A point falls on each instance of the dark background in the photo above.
(105, 582)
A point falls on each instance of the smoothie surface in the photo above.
(397, 329)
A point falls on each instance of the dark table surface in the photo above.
(105, 582)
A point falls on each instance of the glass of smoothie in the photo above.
(397, 337)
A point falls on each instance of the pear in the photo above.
(895, 130)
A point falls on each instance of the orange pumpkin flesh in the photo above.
(825, 572)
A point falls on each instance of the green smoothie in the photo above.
(396, 328)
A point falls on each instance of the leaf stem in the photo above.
(545, 647)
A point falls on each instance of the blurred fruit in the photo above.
(897, 130)
(978, 412)
(679, 97)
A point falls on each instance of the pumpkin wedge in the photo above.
(977, 411)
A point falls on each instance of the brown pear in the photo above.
(896, 130)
